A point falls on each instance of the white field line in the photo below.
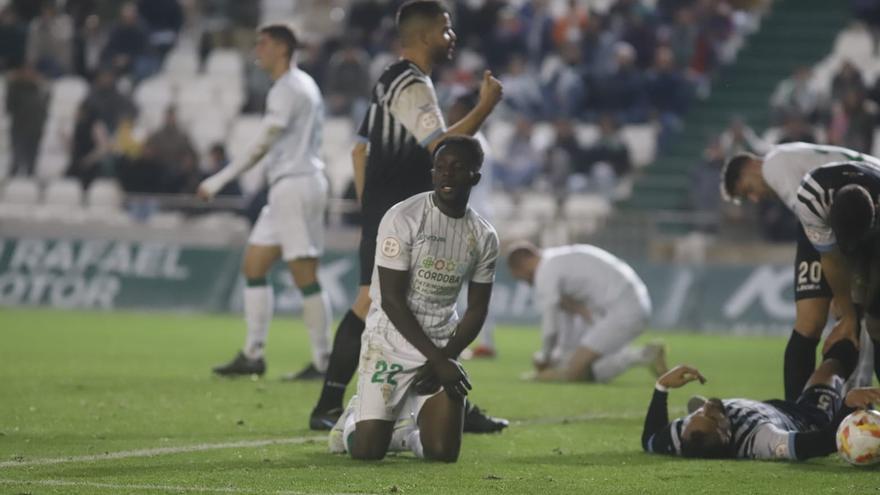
(246, 444)
(125, 454)
(153, 488)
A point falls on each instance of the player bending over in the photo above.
(748, 429)
(429, 247)
(778, 174)
(592, 306)
(837, 206)
(291, 226)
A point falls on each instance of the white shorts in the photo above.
(294, 217)
(622, 323)
(385, 378)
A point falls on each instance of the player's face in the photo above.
(453, 177)
(442, 39)
(267, 51)
(753, 188)
(710, 419)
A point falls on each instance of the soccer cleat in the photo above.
(324, 420)
(483, 352)
(695, 402)
(241, 365)
(307, 373)
(336, 439)
(655, 357)
(476, 421)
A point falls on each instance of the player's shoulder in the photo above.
(400, 75)
(412, 207)
(481, 224)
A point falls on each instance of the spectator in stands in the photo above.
(739, 137)
(597, 48)
(89, 44)
(623, 92)
(570, 26)
(50, 42)
(795, 128)
(669, 93)
(13, 37)
(522, 90)
(563, 86)
(163, 19)
(682, 36)
(848, 78)
(538, 29)
(27, 102)
(607, 160)
(92, 150)
(347, 84)
(565, 157)
(217, 159)
(126, 50)
(520, 163)
(852, 124)
(794, 95)
(172, 151)
(105, 102)
(642, 36)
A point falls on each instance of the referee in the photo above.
(392, 161)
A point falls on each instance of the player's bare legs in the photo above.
(441, 421)
(800, 352)
(588, 365)
(316, 315)
(371, 439)
(258, 309)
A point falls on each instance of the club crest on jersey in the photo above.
(439, 264)
(429, 120)
(390, 247)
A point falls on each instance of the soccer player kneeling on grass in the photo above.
(410, 393)
(592, 306)
(773, 429)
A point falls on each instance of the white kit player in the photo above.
(291, 226)
(428, 248)
(592, 305)
(779, 174)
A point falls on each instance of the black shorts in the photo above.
(367, 250)
(809, 280)
(816, 406)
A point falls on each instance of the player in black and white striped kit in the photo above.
(392, 162)
(768, 430)
(837, 205)
(778, 174)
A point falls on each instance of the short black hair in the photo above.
(731, 173)
(704, 445)
(520, 251)
(467, 147)
(419, 9)
(283, 34)
(851, 215)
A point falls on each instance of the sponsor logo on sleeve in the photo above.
(390, 247)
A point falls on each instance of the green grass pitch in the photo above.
(124, 403)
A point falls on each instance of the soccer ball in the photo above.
(858, 438)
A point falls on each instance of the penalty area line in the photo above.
(149, 487)
(126, 454)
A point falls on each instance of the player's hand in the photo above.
(425, 382)
(209, 187)
(862, 397)
(491, 90)
(845, 328)
(452, 376)
(679, 376)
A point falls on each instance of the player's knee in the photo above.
(442, 450)
(367, 451)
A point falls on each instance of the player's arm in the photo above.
(469, 327)
(359, 163)
(209, 187)
(656, 434)
(491, 93)
(394, 286)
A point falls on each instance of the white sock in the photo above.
(316, 314)
(348, 431)
(607, 367)
(414, 443)
(400, 436)
(258, 307)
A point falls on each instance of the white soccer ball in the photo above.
(858, 438)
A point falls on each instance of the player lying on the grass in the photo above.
(592, 306)
(772, 429)
(778, 174)
(848, 260)
(291, 226)
(429, 246)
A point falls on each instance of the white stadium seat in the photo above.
(104, 194)
(67, 94)
(503, 207)
(641, 139)
(155, 94)
(227, 63)
(181, 63)
(543, 135)
(20, 191)
(64, 192)
(538, 206)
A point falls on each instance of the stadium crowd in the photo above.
(629, 64)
